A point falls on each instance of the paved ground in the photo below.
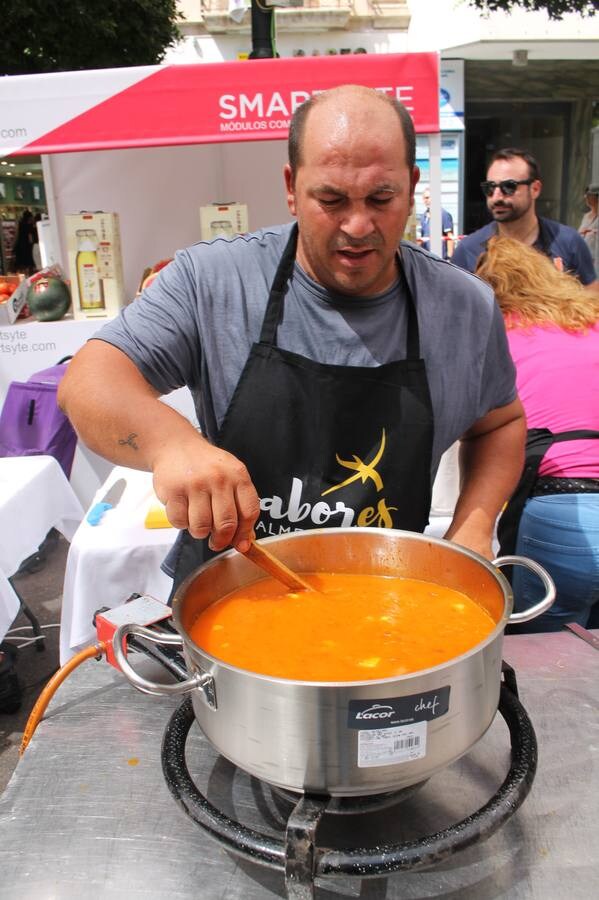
(41, 589)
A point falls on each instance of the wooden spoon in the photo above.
(276, 568)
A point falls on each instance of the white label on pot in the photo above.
(387, 746)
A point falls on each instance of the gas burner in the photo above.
(309, 839)
(350, 806)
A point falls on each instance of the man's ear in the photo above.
(536, 188)
(414, 179)
(290, 188)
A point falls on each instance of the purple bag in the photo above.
(53, 375)
(31, 423)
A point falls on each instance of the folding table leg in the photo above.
(40, 645)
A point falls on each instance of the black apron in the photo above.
(538, 442)
(327, 445)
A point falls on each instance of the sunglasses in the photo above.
(508, 187)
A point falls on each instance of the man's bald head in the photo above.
(349, 101)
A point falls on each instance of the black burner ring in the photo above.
(360, 861)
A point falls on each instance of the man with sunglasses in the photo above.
(511, 189)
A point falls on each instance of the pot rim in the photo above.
(455, 660)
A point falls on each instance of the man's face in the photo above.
(352, 196)
(509, 209)
(426, 198)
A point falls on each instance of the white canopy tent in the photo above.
(156, 143)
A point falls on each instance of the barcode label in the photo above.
(389, 746)
(406, 743)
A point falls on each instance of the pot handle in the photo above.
(203, 682)
(548, 584)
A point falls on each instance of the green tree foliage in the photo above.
(556, 9)
(68, 35)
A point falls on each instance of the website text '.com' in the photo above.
(13, 133)
(15, 342)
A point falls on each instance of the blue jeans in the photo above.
(561, 532)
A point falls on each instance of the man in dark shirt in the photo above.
(425, 226)
(512, 186)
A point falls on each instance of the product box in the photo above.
(223, 220)
(13, 296)
(95, 264)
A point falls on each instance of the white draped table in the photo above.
(35, 496)
(112, 560)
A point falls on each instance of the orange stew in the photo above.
(352, 628)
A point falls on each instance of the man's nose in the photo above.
(358, 222)
(497, 192)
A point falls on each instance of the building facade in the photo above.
(525, 80)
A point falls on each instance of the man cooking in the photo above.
(512, 188)
(329, 369)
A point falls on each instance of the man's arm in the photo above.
(119, 415)
(491, 461)
(448, 233)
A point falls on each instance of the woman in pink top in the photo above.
(553, 331)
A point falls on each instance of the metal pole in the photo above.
(262, 31)
(435, 225)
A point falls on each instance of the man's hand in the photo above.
(120, 416)
(491, 461)
(208, 491)
(470, 536)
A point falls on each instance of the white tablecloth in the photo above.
(35, 496)
(446, 487)
(110, 561)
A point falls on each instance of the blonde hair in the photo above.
(531, 291)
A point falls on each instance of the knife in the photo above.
(108, 501)
(587, 636)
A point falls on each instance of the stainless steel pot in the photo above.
(347, 738)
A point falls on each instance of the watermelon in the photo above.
(48, 298)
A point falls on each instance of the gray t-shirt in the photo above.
(196, 323)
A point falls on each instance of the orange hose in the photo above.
(50, 689)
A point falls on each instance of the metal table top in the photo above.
(87, 811)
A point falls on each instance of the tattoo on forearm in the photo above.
(130, 441)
